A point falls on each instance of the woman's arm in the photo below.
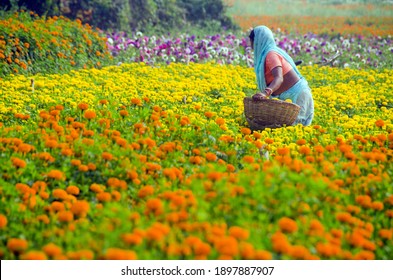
(277, 81)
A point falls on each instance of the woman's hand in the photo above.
(259, 96)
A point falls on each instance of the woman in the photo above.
(277, 75)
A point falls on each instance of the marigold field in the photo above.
(157, 162)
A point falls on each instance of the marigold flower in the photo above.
(57, 206)
(154, 204)
(209, 115)
(145, 191)
(18, 163)
(220, 121)
(96, 188)
(25, 148)
(59, 194)
(65, 216)
(80, 208)
(283, 151)
(104, 197)
(83, 106)
(74, 190)
(81, 255)
(120, 254)
(263, 255)
(301, 142)
(52, 250)
(132, 239)
(379, 123)
(56, 175)
(3, 221)
(136, 101)
(248, 159)
(386, 234)
(227, 245)
(89, 114)
(17, 245)
(34, 255)
(239, 233)
(245, 131)
(343, 217)
(364, 255)
(287, 225)
(377, 205)
(83, 168)
(107, 156)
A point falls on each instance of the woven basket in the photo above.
(269, 113)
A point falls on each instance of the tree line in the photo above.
(133, 15)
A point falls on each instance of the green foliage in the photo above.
(31, 44)
(156, 16)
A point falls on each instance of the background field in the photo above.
(355, 17)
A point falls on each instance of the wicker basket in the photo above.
(269, 113)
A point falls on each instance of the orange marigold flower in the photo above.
(220, 121)
(136, 101)
(59, 194)
(287, 225)
(81, 255)
(263, 255)
(247, 251)
(104, 197)
(231, 168)
(3, 221)
(56, 174)
(364, 255)
(283, 151)
(301, 142)
(39, 186)
(120, 254)
(80, 207)
(363, 200)
(25, 148)
(202, 249)
(107, 156)
(91, 166)
(57, 206)
(377, 205)
(17, 245)
(210, 156)
(83, 168)
(227, 245)
(34, 255)
(304, 150)
(132, 239)
(89, 114)
(239, 233)
(154, 204)
(343, 217)
(145, 191)
(52, 250)
(245, 131)
(65, 216)
(18, 163)
(83, 106)
(74, 190)
(248, 159)
(209, 115)
(379, 123)
(386, 233)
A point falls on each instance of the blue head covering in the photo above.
(264, 43)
